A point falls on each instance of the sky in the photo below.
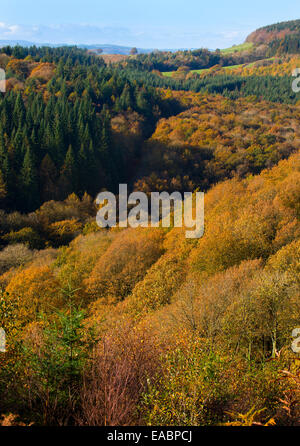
(142, 23)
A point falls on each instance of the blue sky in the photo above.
(141, 23)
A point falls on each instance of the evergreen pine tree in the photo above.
(48, 179)
(19, 111)
(29, 182)
(70, 172)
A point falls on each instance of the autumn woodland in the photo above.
(142, 326)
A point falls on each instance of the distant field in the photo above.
(238, 48)
(170, 73)
(231, 67)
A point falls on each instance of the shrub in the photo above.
(13, 256)
(62, 232)
(117, 377)
(28, 236)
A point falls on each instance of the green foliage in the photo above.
(56, 133)
(27, 236)
(183, 395)
(55, 355)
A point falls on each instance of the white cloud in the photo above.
(9, 30)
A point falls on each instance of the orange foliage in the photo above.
(43, 71)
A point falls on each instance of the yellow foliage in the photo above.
(157, 288)
(64, 231)
(124, 263)
(38, 290)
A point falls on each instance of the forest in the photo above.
(142, 326)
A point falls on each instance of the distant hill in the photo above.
(106, 48)
(114, 49)
(278, 31)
